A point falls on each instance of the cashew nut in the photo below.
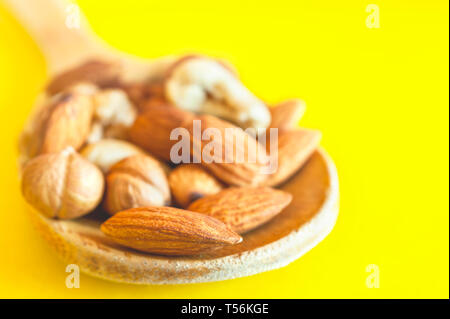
(114, 114)
(204, 85)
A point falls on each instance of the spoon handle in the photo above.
(60, 30)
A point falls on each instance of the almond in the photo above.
(189, 182)
(64, 122)
(168, 231)
(226, 165)
(141, 93)
(136, 181)
(286, 115)
(101, 73)
(245, 208)
(152, 129)
(294, 149)
(151, 102)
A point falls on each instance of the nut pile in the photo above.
(97, 142)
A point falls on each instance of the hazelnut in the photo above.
(62, 185)
(136, 181)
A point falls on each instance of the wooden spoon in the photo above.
(66, 40)
(302, 225)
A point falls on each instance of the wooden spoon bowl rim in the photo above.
(81, 242)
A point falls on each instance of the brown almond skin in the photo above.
(153, 102)
(287, 115)
(65, 121)
(152, 129)
(136, 181)
(62, 185)
(142, 94)
(294, 148)
(168, 231)
(245, 208)
(226, 168)
(102, 73)
(68, 124)
(189, 182)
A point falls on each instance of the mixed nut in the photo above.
(97, 142)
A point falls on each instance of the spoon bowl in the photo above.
(302, 225)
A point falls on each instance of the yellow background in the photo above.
(380, 97)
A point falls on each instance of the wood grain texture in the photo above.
(301, 226)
